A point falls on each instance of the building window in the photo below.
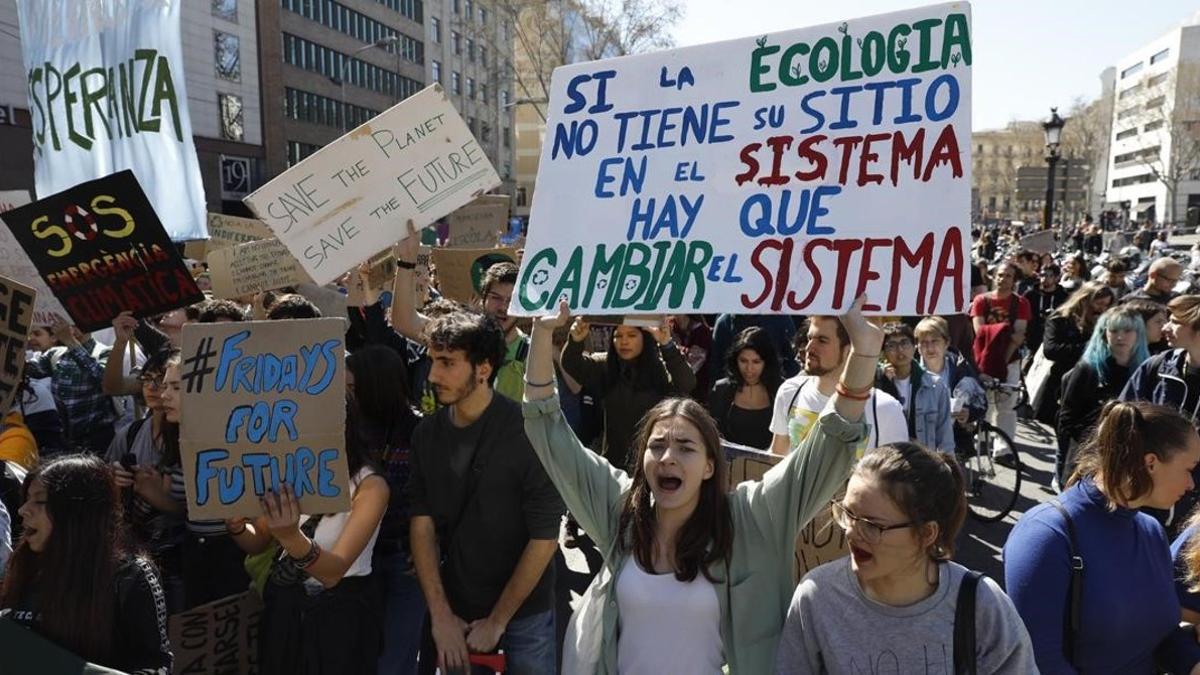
(456, 83)
(304, 106)
(337, 16)
(1134, 180)
(1156, 124)
(1128, 133)
(1131, 110)
(1132, 70)
(471, 50)
(334, 65)
(470, 6)
(485, 132)
(232, 126)
(455, 4)
(504, 96)
(436, 24)
(225, 9)
(483, 54)
(227, 55)
(1157, 79)
(297, 151)
(483, 93)
(1160, 56)
(1132, 89)
(483, 15)
(507, 137)
(522, 197)
(471, 88)
(1156, 102)
(437, 71)
(456, 42)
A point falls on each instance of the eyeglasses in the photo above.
(871, 531)
(152, 381)
(893, 345)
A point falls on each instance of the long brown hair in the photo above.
(1116, 449)
(73, 576)
(1078, 305)
(707, 536)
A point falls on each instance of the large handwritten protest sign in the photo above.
(101, 250)
(253, 267)
(16, 265)
(479, 223)
(460, 270)
(264, 403)
(225, 232)
(106, 93)
(217, 637)
(16, 319)
(788, 172)
(417, 161)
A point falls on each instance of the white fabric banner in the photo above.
(106, 93)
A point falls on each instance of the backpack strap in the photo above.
(1071, 619)
(964, 624)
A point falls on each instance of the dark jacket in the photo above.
(1063, 344)
(1084, 393)
(625, 399)
(1040, 306)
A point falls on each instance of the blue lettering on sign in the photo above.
(305, 471)
(311, 371)
(263, 419)
(579, 100)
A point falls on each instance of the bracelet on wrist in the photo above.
(537, 384)
(406, 265)
(854, 394)
(865, 356)
(309, 558)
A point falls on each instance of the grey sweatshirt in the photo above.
(833, 627)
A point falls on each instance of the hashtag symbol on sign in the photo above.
(196, 367)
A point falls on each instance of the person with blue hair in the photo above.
(1117, 347)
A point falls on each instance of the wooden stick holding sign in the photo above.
(264, 403)
(16, 320)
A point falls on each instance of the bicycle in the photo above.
(991, 467)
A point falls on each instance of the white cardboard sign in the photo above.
(788, 172)
(416, 161)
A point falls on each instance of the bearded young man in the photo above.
(485, 516)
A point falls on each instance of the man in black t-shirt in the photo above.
(483, 506)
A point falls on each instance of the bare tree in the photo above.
(1085, 136)
(546, 34)
(1168, 113)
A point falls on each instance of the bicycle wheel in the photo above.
(993, 484)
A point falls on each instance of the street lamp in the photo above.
(1053, 128)
(391, 39)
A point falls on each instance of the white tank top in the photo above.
(667, 625)
(331, 526)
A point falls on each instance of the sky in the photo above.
(1029, 55)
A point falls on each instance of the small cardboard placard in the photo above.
(460, 270)
(1039, 242)
(264, 402)
(226, 231)
(478, 224)
(381, 270)
(16, 265)
(254, 267)
(218, 637)
(416, 161)
(16, 319)
(102, 250)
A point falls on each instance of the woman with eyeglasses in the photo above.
(1119, 613)
(890, 606)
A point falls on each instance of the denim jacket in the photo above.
(754, 587)
(928, 416)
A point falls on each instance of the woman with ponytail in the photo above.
(1093, 537)
(897, 592)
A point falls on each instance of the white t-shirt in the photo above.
(799, 402)
(667, 625)
(331, 526)
(904, 387)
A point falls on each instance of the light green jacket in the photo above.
(755, 589)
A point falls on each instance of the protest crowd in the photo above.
(313, 445)
(477, 444)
